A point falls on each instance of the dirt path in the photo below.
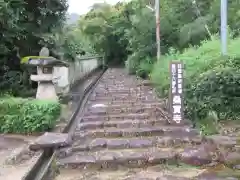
(15, 159)
(124, 134)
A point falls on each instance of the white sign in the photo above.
(176, 91)
(177, 99)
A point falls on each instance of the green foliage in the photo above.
(69, 42)
(128, 29)
(208, 125)
(133, 62)
(26, 21)
(211, 81)
(27, 116)
(26, 26)
(23, 24)
(145, 68)
(104, 26)
(216, 90)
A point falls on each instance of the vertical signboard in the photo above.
(176, 92)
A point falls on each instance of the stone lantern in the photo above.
(44, 76)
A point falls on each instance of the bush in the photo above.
(140, 64)
(211, 81)
(145, 67)
(19, 115)
(217, 90)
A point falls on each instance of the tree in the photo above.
(23, 24)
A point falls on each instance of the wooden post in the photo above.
(157, 11)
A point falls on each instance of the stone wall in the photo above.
(64, 77)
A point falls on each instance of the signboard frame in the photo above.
(176, 90)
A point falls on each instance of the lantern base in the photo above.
(46, 91)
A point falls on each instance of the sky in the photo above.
(82, 6)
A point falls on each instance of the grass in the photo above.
(202, 62)
(197, 60)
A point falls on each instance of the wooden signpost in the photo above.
(176, 92)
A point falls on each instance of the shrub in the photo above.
(19, 115)
(211, 80)
(216, 90)
(140, 64)
(145, 67)
(134, 61)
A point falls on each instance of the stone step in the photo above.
(112, 107)
(51, 140)
(153, 111)
(130, 105)
(124, 91)
(129, 84)
(158, 172)
(131, 158)
(215, 176)
(127, 123)
(124, 127)
(123, 109)
(127, 98)
(110, 84)
(113, 87)
(137, 132)
(123, 102)
(121, 124)
(226, 143)
(134, 143)
(119, 81)
(117, 117)
(120, 95)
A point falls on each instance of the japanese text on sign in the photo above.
(176, 91)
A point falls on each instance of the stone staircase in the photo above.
(125, 130)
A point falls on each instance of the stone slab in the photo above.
(126, 158)
(213, 176)
(51, 140)
(203, 154)
(224, 141)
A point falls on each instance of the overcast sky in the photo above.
(82, 6)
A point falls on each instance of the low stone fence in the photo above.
(65, 77)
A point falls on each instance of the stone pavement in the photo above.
(125, 134)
